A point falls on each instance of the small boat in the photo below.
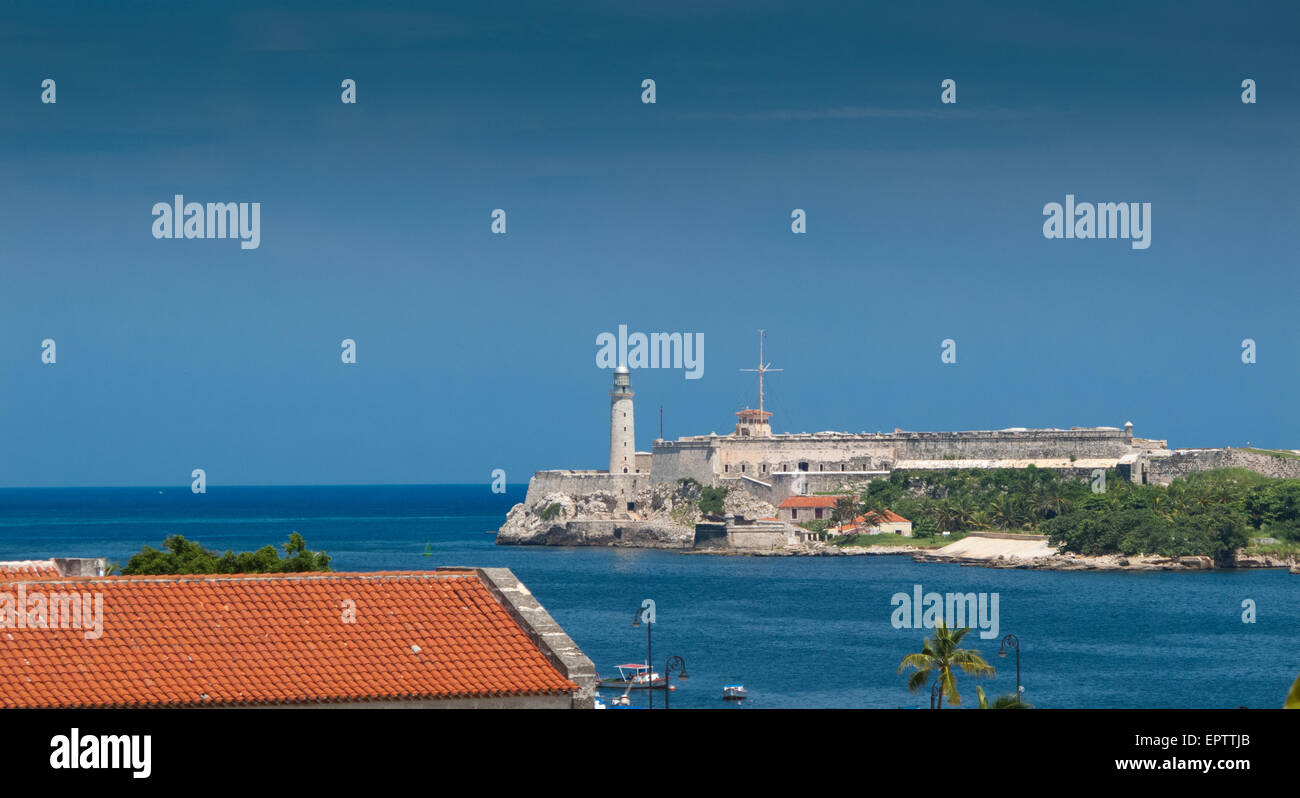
(733, 692)
(634, 676)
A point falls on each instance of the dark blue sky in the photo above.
(478, 351)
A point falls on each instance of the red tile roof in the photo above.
(886, 516)
(235, 640)
(28, 568)
(801, 502)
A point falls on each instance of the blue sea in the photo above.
(796, 631)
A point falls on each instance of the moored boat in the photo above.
(633, 676)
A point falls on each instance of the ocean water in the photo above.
(796, 631)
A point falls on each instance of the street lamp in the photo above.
(1012, 641)
(650, 682)
(675, 663)
(935, 689)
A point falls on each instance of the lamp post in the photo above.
(675, 663)
(1011, 641)
(935, 689)
(636, 621)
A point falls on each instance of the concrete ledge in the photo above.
(80, 566)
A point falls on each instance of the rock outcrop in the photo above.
(662, 516)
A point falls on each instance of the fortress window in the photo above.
(631, 505)
(821, 466)
(803, 465)
(817, 513)
(793, 514)
(726, 469)
(624, 469)
(841, 466)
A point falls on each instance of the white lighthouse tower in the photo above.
(622, 429)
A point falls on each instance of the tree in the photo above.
(924, 527)
(183, 556)
(1006, 701)
(1293, 697)
(846, 507)
(711, 500)
(941, 657)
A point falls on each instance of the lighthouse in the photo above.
(622, 429)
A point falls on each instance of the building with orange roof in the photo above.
(800, 509)
(875, 523)
(455, 637)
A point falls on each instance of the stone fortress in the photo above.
(640, 500)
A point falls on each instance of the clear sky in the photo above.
(477, 351)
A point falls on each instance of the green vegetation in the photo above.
(1281, 550)
(958, 500)
(708, 500)
(1212, 513)
(1008, 701)
(1293, 697)
(1274, 453)
(552, 511)
(886, 539)
(711, 500)
(846, 509)
(941, 657)
(188, 557)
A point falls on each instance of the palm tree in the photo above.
(1008, 701)
(940, 656)
(845, 508)
(1054, 500)
(1008, 511)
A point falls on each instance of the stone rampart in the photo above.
(1183, 462)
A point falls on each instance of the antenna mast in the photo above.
(762, 369)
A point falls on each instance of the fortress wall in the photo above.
(1017, 445)
(674, 460)
(1163, 470)
(747, 456)
(577, 483)
(760, 458)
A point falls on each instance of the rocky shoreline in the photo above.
(665, 517)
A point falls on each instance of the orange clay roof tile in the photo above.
(802, 502)
(240, 639)
(31, 569)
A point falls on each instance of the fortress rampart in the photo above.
(1182, 462)
(582, 483)
(711, 458)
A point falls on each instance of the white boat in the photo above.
(634, 676)
(733, 692)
